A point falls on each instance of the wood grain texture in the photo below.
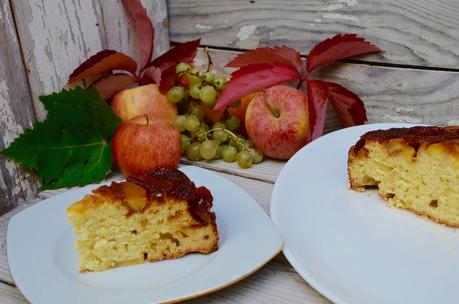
(11, 295)
(413, 32)
(58, 35)
(276, 282)
(16, 113)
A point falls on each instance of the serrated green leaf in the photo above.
(72, 146)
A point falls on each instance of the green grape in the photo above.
(244, 159)
(182, 67)
(208, 149)
(196, 71)
(198, 111)
(219, 124)
(219, 82)
(204, 126)
(191, 123)
(180, 122)
(192, 151)
(208, 77)
(194, 79)
(186, 141)
(220, 135)
(208, 95)
(194, 91)
(229, 154)
(232, 123)
(219, 152)
(175, 94)
(256, 154)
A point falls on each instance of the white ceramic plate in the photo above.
(43, 261)
(351, 246)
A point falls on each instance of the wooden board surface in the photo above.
(11, 295)
(413, 32)
(276, 282)
(15, 184)
(58, 35)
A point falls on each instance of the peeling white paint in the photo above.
(334, 6)
(401, 109)
(202, 26)
(348, 2)
(338, 16)
(318, 20)
(454, 122)
(9, 128)
(246, 31)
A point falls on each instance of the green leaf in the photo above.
(72, 146)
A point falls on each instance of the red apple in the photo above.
(143, 144)
(143, 100)
(277, 121)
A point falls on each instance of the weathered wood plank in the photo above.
(11, 295)
(414, 32)
(58, 35)
(16, 112)
(276, 282)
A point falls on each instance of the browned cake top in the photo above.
(414, 136)
(163, 184)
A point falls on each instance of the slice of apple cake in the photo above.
(162, 215)
(414, 168)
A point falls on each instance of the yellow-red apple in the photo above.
(142, 144)
(143, 100)
(277, 121)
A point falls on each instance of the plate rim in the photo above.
(279, 242)
(290, 256)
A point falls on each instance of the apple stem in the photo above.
(146, 117)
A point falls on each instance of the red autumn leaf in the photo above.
(277, 54)
(338, 47)
(151, 74)
(143, 28)
(103, 61)
(254, 77)
(166, 63)
(182, 52)
(347, 105)
(110, 85)
(317, 105)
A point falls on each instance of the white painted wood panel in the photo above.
(16, 112)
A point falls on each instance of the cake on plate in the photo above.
(413, 168)
(161, 215)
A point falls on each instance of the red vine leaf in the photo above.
(109, 85)
(347, 105)
(103, 61)
(182, 52)
(151, 75)
(317, 106)
(143, 28)
(166, 63)
(338, 47)
(277, 54)
(254, 77)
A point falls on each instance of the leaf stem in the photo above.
(209, 59)
(233, 136)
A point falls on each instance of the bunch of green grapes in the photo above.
(199, 141)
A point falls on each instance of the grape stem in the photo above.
(209, 59)
(233, 136)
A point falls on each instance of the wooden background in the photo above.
(415, 80)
